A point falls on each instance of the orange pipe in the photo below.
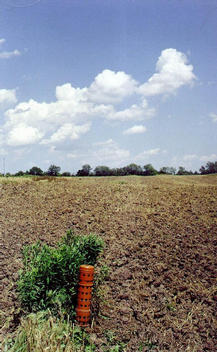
(86, 274)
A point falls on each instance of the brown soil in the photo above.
(160, 234)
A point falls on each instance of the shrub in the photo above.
(49, 278)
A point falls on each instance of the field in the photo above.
(161, 236)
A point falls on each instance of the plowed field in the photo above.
(161, 236)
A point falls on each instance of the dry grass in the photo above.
(42, 332)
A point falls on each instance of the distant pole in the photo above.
(4, 166)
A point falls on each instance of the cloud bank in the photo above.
(112, 96)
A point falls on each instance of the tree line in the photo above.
(131, 169)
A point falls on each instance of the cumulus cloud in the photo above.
(23, 135)
(68, 130)
(111, 87)
(213, 117)
(113, 96)
(135, 130)
(7, 97)
(136, 112)
(173, 71)
(66, 93)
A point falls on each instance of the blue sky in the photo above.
(107, 82)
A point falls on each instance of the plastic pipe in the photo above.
(83, 309)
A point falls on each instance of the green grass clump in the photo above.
(49, 278)
(43, 332)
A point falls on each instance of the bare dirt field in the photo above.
(161, 236)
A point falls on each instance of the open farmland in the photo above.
(160, 234)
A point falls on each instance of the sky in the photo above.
(107, 82)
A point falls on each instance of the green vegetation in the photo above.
(50, 275)
(47, 287)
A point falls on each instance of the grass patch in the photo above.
(43, 332)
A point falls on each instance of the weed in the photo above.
(110, 336)
(50, 275)
(113, 345)
(148, 345)
(102, 275)
(119, 347)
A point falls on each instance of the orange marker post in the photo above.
(84, 294)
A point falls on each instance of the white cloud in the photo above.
(173, 71)
(109, 152)
(2, 41)
(152, 151)
(7, 96)
(111, 87)
(68, 130)
(69, 116)
(135, 130)
(102, 153)
(214, 117)
(134, 113)
(211, 157)
(147, 153)
(189, 157)
(23, 135)
(67, 92)
(9, 54)
(72, 155)
(105, 143)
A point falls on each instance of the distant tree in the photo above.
(19, 173)
(53, 170)
(203, 170)
(121, 171)
(66, 174)
(210, 168)
(35, 170)
(118, 171)
(149, 170)
(183, 171)
(167, 170)
(85, 170)
(102, 171)
(133, 169)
